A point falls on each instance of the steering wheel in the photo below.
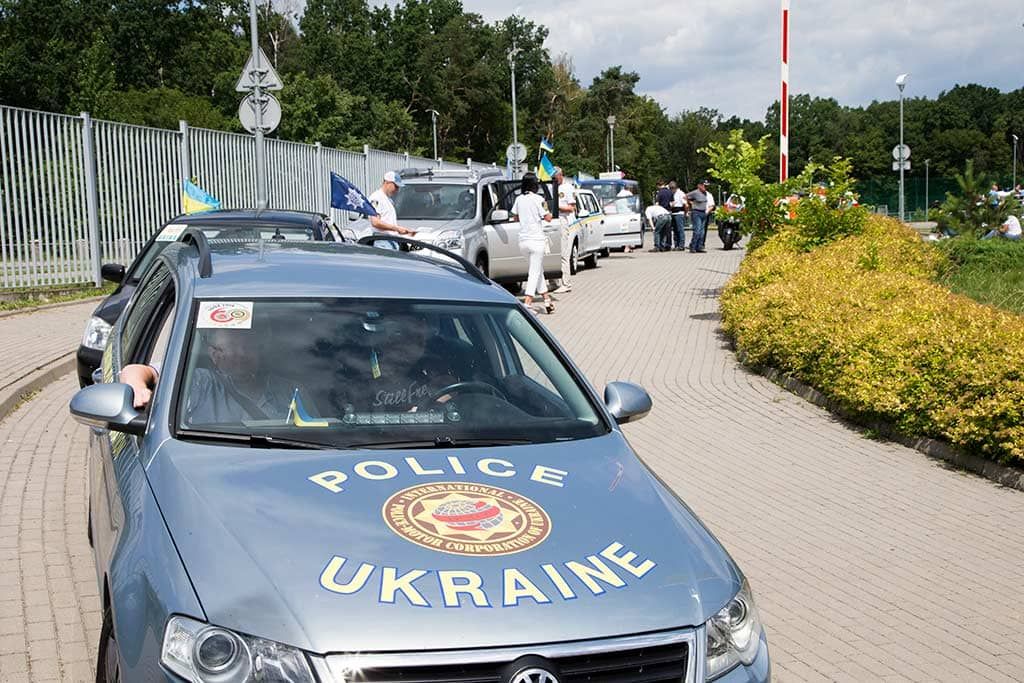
(469, 387)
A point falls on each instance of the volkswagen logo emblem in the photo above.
(534, 676)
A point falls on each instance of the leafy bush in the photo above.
(862, 320)
(970, 211)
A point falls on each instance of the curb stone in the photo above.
(13, 394)
(1003, 475)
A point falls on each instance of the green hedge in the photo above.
(863, 320)
(989, 271)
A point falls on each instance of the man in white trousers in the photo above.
(567, 216)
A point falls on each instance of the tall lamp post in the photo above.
(433, 126)
(901, 82)
(1015, 141)
(927, 163)
(515, 123)
(611, 134)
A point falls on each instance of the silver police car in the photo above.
(365, 465)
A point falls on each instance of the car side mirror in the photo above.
(627, 402)
(112, 272)
(108, 406)
(499, 216)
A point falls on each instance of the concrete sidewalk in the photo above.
(37, 347)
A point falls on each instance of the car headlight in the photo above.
(734, 634)
(97, 331)
(450, 240)
(201, 653)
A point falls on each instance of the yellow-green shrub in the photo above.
(861, 320)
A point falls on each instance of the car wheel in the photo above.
(574, 259)
(108, 661)
(606, 252)
(590, 261)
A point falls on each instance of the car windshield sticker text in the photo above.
(171, 232)
(229, 315)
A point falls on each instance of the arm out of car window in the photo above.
(142, 379)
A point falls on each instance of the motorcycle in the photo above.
(729, 232)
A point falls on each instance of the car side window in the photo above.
(140, 317)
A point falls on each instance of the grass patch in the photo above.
(31, 298)
(989, 271)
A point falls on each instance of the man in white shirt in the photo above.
(386, 219)
(1010, 229)
(660, 220)
(678, 210)
(567, 216)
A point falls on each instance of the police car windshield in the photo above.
(435, 201)
(373, 373)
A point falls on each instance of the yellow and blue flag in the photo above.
(546, 146)
(194, 199)
(546, 170)
(299, 417)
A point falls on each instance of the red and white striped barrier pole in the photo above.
(784, 103)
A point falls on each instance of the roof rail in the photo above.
(416, 244)
(198, 237)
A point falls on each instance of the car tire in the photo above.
(108, 659)
(574, 259)
(590, 261)
(606, 252)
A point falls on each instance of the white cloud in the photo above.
(725, 54)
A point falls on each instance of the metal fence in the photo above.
(75, 192)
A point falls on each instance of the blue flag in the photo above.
(546, 170)
(194, 199)
(546, 146)
(347, 197)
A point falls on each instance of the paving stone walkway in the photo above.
(31, 340)
(870, 561)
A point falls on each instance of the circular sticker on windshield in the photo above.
(467, 519)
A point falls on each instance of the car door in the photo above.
(111, 453)
(506, 260)
(595, 225)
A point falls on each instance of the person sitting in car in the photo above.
(391, 366)
(235, 387)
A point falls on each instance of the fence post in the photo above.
(186, 152)
(325, 193)
(366, 167)
(91, 197)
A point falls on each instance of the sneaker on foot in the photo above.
(562, 289)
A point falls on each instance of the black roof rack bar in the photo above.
(198, 237)
(466, 265)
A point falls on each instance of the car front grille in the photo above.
(658, 658)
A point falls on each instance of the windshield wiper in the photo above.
(259, 440)
(443, 442)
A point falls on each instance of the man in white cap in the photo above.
(386, 219)
(567, 215)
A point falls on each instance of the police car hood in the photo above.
(432, 227)
(437, 549)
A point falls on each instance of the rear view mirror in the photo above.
(112, 272)
(499, 216)
(627, 402)
(108, 406)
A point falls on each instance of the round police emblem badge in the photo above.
(467, 519)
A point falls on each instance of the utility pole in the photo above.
(611, 139)
(1015, 141)
(901, 83)
(515, 123)
(262, 198)
(927, 163)
(433, 125)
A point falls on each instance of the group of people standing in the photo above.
(669, 213)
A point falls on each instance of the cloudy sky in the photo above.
(725, 54)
